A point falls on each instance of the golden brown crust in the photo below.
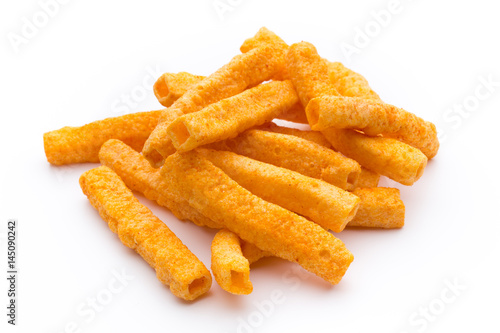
(171, 86)
(380, 207)
(142, 231)
(268, 226)
(81, 144)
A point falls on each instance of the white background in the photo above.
(76, 68)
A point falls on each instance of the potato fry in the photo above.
(380, 207)
(243, 71)
(313, 136)
(373, 118)
(294, 153)
(367, 178)
(268, 226)
(230, 268)
(229, 117)
(349, 83)
(81, 144)
(142, 231)
(170, 87)
(327, 205)
(140, 176)
(308, 72)
(385, 156)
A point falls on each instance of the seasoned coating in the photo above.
(252, 252)
(308, 72)
(294, 153)
(373, 118)
(313, 136)
(349, 83)
(381, 207)
(385, 156)
(81, 144)
(268, 226)
(243, 71)
(140, 176)
(265, 37)
(230, 268)
(327, 205)
(142, 231)
(367, 178)
(171, 86)
(231, 116)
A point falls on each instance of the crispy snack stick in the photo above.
(140, 176)
(380, 207)
(243, 71)
(81, 144)
(294, 153)
(385, 156)
(327, 205)
(231, 116)
(266, 37)
(170, 87)
(313, 136)
(367, 178)
(308, 72)
(373, 118)
(230, 268)
(349, 83)
(268, 226)
(142, 231)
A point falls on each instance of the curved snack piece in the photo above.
(349, 83)
(140, 176)
(142, 231)
(313, 136)
(171, 86)
(325, 204)
(230, 268)
(231, 116)
(81, 144)
(381, 207)
(373, 118)
(268, 226)
(266, 37)
(385, 156)
(367, 178)
(308, 72)
(294, 153)
(243, 71)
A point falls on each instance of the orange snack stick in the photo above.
(294, 153)
(380, 207)
(373, 118)
(230, 268)
(142, 231)
(81, 144)
(349, 83)
(171, 86)
(243, 71)
(252, 252)
(367, 178)
(313, 136)
(327, 205)
(385, 156)
(268, 226)
(140, 176)
(229, 117)
(308, 72)
(265, 37)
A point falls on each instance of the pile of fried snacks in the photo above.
(213, 156)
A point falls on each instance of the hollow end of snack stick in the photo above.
(179, 133)
(160, 88)
(312, 113)
(199, 286)
(352, 180)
